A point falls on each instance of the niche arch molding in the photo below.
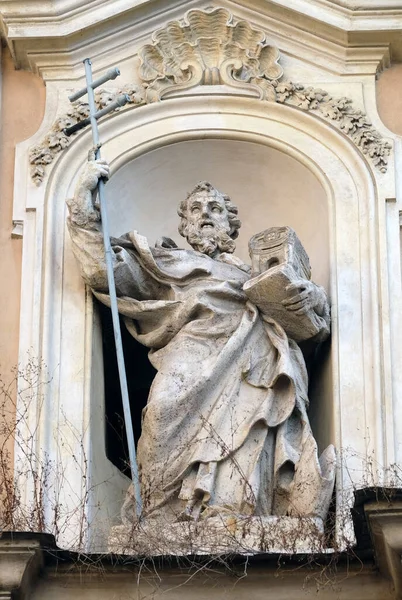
(58, 323)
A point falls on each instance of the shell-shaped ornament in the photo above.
(208, 48)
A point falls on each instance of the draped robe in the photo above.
(225, 427)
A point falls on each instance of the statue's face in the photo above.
(205, 221)
(208, 214)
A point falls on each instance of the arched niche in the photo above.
(269, 187)
(69, 334)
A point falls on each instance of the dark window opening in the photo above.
(140, 374)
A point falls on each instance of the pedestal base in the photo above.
(220, 535)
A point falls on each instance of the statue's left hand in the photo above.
(303, 296)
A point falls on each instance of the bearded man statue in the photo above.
(225, 429)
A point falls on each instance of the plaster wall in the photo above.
(22, 108)
(389, 98)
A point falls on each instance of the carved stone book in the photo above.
(279, 259)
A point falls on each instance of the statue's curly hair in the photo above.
(205, 186)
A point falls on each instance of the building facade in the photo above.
(293, 110)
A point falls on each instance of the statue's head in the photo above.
(209, 220)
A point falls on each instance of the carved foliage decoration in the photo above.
(209, 48)
(56, 140)
(352, 121)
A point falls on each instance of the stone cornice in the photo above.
(51, 37)
(73, 14)
(350, 14)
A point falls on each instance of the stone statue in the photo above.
(225, 429)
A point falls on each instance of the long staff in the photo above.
(94, 115)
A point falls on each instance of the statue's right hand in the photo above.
(92, 172)
(83, 210)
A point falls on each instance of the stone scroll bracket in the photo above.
(211, 48)
(18, 228)
(385, 524)
(21, 560)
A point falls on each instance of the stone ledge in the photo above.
(220, 535)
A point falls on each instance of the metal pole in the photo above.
(111, 74)
(118, 103)
(113, 297)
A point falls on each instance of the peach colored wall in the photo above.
(389, 98)
(22, 108)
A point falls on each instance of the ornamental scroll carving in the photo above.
(208, 47)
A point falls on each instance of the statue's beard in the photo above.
(208, 241)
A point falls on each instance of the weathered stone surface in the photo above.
(220, 535)
(385, 523)
(281, 267)
(226, 427)
(21, 558)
